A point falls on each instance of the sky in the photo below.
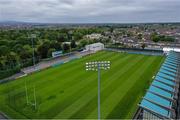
(90, 11)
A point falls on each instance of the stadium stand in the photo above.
(162, 98)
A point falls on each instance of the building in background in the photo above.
(94, 36)
(166, 50)
(94, 47)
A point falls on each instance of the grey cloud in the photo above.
(77, 11)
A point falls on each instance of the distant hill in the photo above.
(12, 22)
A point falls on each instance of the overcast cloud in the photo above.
(90, 11)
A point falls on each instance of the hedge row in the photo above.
(7, 73)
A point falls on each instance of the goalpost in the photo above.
(34, 103)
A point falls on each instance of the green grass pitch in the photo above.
(69, 91)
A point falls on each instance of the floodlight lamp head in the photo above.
(95, 65)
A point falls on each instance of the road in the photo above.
(2, 116)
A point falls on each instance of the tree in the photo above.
(50, 52)
(56, 45)
(23, 40)
(140, 36)
(13, 59)
(111, 29)
(83, 43)
(73, 44)
(129, 34)
(26, 52)
(4, 50)
(77, 35)
(62, 38)
(143, 45)
(154, 37)
(66, 47)
(3, 61)
(18, 48)
(4, 42)
(169, 39)
(69, 35)
(43, 49)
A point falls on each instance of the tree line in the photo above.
(163, 38)
(16, 46)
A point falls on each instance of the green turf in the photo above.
(68, 91)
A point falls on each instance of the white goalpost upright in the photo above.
(28, 102)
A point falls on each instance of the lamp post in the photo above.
(98, 66)
(70, 37)
(33, 36)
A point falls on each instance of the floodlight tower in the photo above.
(70, 37)
(89, 46)
(98, 66)
(33, 36)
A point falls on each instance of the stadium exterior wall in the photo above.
(95, 47)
